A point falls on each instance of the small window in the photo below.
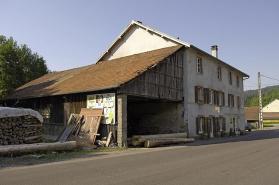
(199, 65)
(199, 94)
(237, 81)
(200, 124)
(230, 77)
(219, 74)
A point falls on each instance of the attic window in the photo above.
(199, 65)
(230, 77)
(219, 74)
(237, 81)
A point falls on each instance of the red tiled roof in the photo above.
(104, 74)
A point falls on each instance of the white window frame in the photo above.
(211, 96)
(200, 94)
(221, 123)
(200, 123)
(220, 97)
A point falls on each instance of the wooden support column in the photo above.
(122, 120)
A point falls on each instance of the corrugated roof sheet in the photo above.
(104, 74)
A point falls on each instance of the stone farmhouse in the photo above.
(148, 83)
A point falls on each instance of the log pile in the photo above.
(160, 139)
(20, 130)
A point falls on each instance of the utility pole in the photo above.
(260, 102)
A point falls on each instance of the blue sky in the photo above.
(71, 34)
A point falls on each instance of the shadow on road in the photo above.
(249, 136)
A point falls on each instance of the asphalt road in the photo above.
(249, 159)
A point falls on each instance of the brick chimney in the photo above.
(214, 51)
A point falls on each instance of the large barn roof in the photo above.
(103, 75)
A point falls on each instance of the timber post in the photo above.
(122, 120)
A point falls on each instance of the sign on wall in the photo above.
(106, 101)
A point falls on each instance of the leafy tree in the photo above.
(18, 65)
(267, 97)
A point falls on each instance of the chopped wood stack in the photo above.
(20, 129)
(160, 139)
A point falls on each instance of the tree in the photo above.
(18, 65)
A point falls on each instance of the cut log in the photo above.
(108, 140)
(33, 137)
(157, 142)
(135, 142)
(29, 148)
(143, 138)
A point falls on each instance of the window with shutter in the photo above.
(199, 94)
(206, 95)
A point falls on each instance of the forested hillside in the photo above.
(264, 90)
(268, 95)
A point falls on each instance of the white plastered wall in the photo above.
(272, 107)
(137, 40)
(209, 80)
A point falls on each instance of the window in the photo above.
(219, 74)
(238, 102)
(199, 65)
(206, 95)
(211, 96)
(45, 112)
(234, 123)
(222, 122)
(230, 77)
(200, 125)
(237, 81)
(219, 98)
(199, 94)
(230, 100)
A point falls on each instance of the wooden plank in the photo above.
(91, 112)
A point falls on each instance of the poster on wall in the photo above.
(106, 101)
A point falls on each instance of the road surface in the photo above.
(249, 159)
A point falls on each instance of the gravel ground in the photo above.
(49, 157)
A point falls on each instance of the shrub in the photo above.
(271, 122)
(267, 125)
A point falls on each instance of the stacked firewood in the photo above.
(20, 129)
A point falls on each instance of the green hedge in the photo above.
(268, 125)
(271, 122)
